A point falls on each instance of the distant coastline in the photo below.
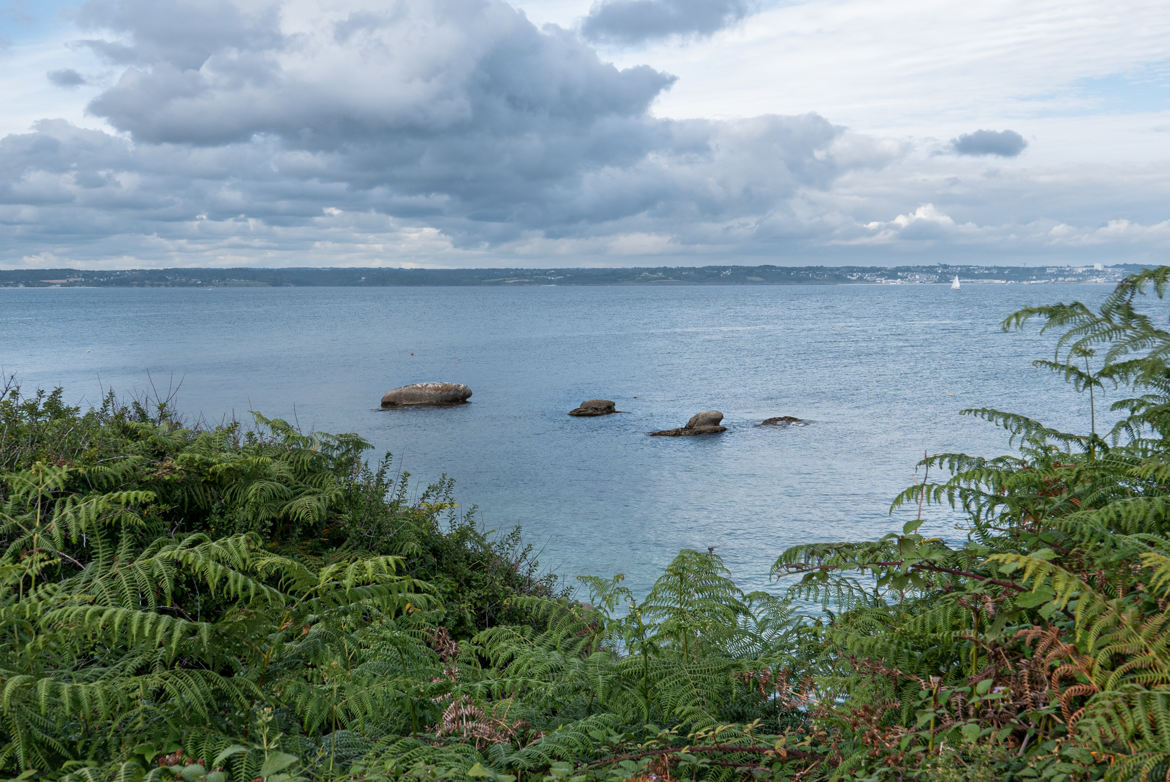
(663, 275)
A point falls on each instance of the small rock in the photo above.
(706, 422)
(426, 394)
(594, 407)
(783, 420)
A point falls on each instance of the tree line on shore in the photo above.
(659, 275)
(242, 603)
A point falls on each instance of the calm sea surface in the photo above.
(881, 373)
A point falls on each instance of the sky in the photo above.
(546, 133)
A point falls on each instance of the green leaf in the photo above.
(559, 770)
(277, 761)
(479, 772)
(971, 730)
(983, 686)
(193, 773)
(1034, 598)
(235, 749)
(910, 527)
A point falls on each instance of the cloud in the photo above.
(458, 68)
(457, 133)
(926, 223)
(182, 34)
(468, 132)
(1114, 232)
(1004, 143)
(66, 77)
(635, 21)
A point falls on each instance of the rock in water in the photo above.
(594, 407)
(783, 420)
(426, 394)
(685, 432)
(705, 418)
(706, 422)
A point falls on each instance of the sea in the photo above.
(879, 375)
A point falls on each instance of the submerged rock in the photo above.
(433, 393)
(706, 422)
(687, 432)
(784, 420)
(594, 407)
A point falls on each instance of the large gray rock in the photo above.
(594, 407)
(706, 422)
(426, 394)
(705, 418)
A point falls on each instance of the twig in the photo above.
(800, 567)
(953, 572)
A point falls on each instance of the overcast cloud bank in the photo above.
(455, 132)
(452, 122)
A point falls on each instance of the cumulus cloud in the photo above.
(66, 77)
(635, 21)
(393, 131)
(457, 68)
(926, 223)
(1004, 143)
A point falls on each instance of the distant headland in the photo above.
(662, 275)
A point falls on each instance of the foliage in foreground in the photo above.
(221, 605)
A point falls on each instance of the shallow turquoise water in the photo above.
(881, 373)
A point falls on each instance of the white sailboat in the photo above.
(955, 283)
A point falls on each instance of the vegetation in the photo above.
(659, 275)
(224, 604)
